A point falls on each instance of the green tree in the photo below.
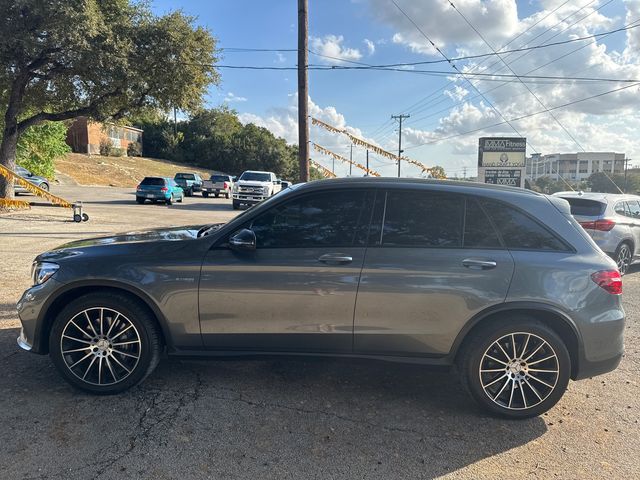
(40, 145)
(104, 59)
(612, 183)
(438, 172)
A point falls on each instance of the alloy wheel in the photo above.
(624, 258)
(519, 371)
(100, 346)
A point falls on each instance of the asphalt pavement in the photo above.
(302, 418)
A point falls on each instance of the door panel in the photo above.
(414, 301)
(297, 291)
(279, 300)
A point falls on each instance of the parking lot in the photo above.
(301, 418)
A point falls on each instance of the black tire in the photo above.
(188, 192)
(140, 200)
(77, 217)
(169, 201)
(44, 186)
(216, 195)
(85, 217)
(623, 257)
(227, 195)
(205, 194)
(236, 205)
(181, 199)
(511, 389)
(145, 330)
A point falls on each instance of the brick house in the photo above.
(84, 136)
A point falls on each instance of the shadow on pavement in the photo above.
(251, 419)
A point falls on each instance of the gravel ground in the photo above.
(282, 419)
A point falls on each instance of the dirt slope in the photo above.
(116, 171)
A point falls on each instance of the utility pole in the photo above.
(350, 159)
(399, 118)
(367, 173)
(464, 172)
(626, 167)
(175, 124)
(333, 165)
(303, 90)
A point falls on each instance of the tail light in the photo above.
(610, 280)
(226, 185)
(138, 187)
(603, 225)
(164, 189)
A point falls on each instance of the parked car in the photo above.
(500, 281)
(159, 189)
(254, 186)
(189, 182)
(284, 184)
(216, 185)
(41, 182)
(613, 221)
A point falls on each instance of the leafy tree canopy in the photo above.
(105, 59)
(39, 147)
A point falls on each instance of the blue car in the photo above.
(162, 189)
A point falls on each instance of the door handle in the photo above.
(477, 264)
(335, 258)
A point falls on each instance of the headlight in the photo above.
(235, 188)
(265, 190)
(43, 271)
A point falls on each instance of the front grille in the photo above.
(251, 190)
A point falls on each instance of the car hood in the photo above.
(78, 247)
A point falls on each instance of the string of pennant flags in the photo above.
(326, 173)
(374, 148)
(340, 158)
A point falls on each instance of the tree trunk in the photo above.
(8, 159)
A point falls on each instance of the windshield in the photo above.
(219, 178)
(185, 176)
(256, 176)
(152, 181)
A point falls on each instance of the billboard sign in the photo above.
(501, 151)
(503, 176)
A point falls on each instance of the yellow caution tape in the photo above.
(326, 173)
(346, 160)
(14, 203)
(10, 175)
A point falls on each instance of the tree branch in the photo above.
(91, 109)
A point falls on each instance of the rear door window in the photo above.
(478, 230)
(423, 219)
(634, 208)
(621, 209)
(584, 207)
(519, 231)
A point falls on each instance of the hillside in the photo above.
(116, 171)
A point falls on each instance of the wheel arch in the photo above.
(70, 292)
(550, 316)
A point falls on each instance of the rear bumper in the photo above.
(589, 369)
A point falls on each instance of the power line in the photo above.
(522, 117)
(457, 70)
(242, 49)
(512, 71)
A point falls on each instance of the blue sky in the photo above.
(376, 32)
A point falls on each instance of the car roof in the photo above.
(598, 196)
(382, 182)
(256, 171)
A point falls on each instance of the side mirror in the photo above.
(243, 241)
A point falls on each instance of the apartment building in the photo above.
(573, 166)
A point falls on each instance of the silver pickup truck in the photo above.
(218, 185)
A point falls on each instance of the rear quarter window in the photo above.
(585, 207)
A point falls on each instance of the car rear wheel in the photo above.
(517, 368)
(205, 194)
(623, 257)
(236, 205)
(227, 195)
(169, 200)
(44, 186)
(140, 200)
(105, 343)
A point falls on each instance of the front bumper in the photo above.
(30, 308)
(249, 199)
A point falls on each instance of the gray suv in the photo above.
(501, 283)
(613, 221)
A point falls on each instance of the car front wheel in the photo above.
(517, 369)
(104, 343)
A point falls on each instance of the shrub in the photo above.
(134, 150)
(106, 147)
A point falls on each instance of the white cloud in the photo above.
(280, 58)
(331, 46)
(230, 97)
(371, 47)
